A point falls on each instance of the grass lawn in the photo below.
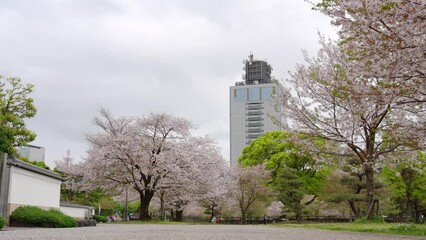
(387, 228)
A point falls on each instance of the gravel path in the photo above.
(195, 232)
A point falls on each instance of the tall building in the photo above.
(253, 111)
(32, 153)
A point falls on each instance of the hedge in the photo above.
(36, 217)
(1, 223)
(100, 218)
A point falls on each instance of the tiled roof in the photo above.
(24, 165)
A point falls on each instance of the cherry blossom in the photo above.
(366, 91)
(146, 154)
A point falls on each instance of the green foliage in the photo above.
(133, 207)
(1, 222)
(100, 218)
(35, 216)
(93, 198)
(363, 220)
(405, 228)
(107, 211)
(15, 106)
(291, 192)
(387, 228)
(325, 4)
(388, 6)
(278, 151)
(344, 188)
(406, 186)
(35, 163)
(294, 171)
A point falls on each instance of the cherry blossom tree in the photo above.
(151, 155)
(138, 152)
(211, 177)
(366, 91)
(73, 172)
(275, 209)
(197, 181)
(386, 39)
(248, 185)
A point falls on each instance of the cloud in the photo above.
(135, 57)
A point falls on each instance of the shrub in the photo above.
(1, 223)
(107, 212)
(34, 216)
(100, 218)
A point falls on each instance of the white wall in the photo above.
(75, 212)
(29, 188)
(32, 153)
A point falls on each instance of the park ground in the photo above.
(189, 232)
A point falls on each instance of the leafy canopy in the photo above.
(294, 171)
(279, 151)
(15, 106)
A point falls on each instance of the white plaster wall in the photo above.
(29, 188)
(75, 212)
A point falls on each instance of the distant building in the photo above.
(32, 153)
(253, 111)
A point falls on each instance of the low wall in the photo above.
(77, 211)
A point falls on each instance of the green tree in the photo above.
(291, 190)
(347, 188)
(294, 172)
(15, 106)
(407, 187)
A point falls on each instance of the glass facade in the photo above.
(254, 94)
(240, 95)
(267, 93)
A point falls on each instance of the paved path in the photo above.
(190, 232)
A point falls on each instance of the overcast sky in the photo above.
(136, 57)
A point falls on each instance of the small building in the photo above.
(23, 184)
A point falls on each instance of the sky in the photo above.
(136, 57)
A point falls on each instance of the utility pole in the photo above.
(126, 207)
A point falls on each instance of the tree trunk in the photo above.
(417, 212)
(145, 197)
(354, 208)
(243, 218)
(162, 210)
(298, 218)
(369, 175)
(179, 216)
(172, 215)
(212, 209)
